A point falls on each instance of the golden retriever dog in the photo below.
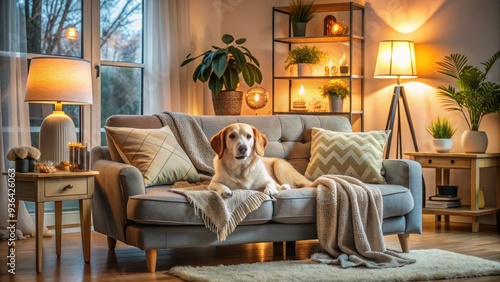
(240, 164)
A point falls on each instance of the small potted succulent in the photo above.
(301, 12)
(24, 158)
(305, 58)
(336, 91)
(442, 131)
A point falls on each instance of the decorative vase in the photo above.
(22, 165)
(305, 69)
(474, 141)
(482, 202)
(336, 103)
(227, 102)
(299, 29)
(442, 145)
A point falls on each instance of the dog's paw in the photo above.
(285, 187)
(226, 193)
(270, 189)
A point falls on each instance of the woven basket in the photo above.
(227, 103)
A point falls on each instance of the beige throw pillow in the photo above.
(155, 152)
(357, 154)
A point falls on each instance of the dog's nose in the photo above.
(243, 149)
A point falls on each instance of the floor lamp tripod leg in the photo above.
(408, 115)
(390, 119)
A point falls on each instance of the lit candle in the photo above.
(340, 62)
(302, 92)
(330, 68)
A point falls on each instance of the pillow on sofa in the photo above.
(357, 154)
(155, 152)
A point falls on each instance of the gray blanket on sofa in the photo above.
(349, 224)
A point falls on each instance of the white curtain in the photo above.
(167, 42)
(14, 115)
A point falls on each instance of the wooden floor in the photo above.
(129, 264)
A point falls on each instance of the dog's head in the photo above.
(239, 140)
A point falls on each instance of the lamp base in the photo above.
(56, 132)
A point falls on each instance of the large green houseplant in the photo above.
(475, 97)
(221, 67)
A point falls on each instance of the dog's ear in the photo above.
(218, 142)
(260, 141)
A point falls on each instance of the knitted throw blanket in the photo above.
(349, 224)
(221, 215)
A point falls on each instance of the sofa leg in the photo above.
(404, 241)
(111, 243)
(151, 260)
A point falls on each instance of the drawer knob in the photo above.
(429, 161)
(452, 161)
(69, 186)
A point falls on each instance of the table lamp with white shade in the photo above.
(58, 81)
(396, 59)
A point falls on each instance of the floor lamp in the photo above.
(58, 81)
(396, 59)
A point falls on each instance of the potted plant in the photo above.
(336, 91)
(442, 131)
(221, 67)
(301, 12)
(474, 98)
(305, 58)
(24, 158)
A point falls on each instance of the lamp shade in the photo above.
(396, 58)
(64, 80)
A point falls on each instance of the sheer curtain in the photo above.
(14, 114)
(167, 41)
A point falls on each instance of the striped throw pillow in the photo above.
(357, 154)
(155, 152)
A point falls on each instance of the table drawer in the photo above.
(56, 187)
(440, 162)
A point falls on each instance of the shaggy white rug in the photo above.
(431, 265)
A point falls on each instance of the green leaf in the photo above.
(256, 73)
(231, 78)
(197, 72)
(452, 65)
(215, 84)
(253, 59)
(248, 75)
(239, 57)
(227, 38)
(187, 61)
(219, 63)
(240, 41)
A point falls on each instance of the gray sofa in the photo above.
(153, 218)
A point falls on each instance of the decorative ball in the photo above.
(256, 97)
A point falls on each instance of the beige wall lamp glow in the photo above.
(60, 81)
(396, 59)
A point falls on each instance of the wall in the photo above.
(438, 28)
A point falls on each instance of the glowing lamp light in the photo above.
(302, 92)
(256, 98)
(71, 32)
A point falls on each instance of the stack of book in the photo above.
(443, 201)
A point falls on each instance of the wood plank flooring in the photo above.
(128, 263)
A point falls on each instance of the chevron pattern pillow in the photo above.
(155, 152)
(357, 154)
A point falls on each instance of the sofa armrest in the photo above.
(408, 173)
(115, 183)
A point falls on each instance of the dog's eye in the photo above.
(249, 136)
(231, 136)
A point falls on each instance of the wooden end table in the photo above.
(56, 187)
(443, 162)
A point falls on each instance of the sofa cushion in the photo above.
(299, 205)
(162, 207)
(357, 154)
(155, 152)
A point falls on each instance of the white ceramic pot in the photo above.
(474, 142)
(305, 69)
(442, 145)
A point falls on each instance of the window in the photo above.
(118, 60)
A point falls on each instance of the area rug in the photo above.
(431, 264)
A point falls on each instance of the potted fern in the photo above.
(442, 131)
(336, 91)
(221, 67)
(301, 12)
(304, 57)
(474, 98)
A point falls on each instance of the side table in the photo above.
(57, 187)
(443, 162)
